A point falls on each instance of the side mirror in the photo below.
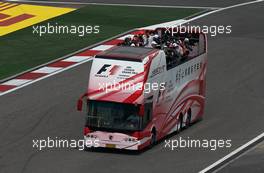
(79, 105)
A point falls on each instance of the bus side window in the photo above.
(202, 47)
(148, 114)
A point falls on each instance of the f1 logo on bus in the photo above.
(109, 71)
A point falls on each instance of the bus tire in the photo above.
(153, 138)
(189, 118)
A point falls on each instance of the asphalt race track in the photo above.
(235, 102)
(199, 3)
(250, 162)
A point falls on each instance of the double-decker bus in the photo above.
(138, 95)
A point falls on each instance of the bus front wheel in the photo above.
(153, 138)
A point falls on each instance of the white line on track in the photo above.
(128, 5)
(233, 153)
(176, 22)
(225, 8)
(16, 82)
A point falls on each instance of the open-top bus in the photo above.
(138, 95)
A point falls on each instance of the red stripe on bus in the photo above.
(133, 97)
(138, 32)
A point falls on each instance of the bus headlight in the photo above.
(91, 136)
(130, 139)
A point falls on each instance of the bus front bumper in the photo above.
(114, 140)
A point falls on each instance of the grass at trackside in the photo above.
(22, 50)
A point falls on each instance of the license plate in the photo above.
(110, 145)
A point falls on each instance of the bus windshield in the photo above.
(114, 116)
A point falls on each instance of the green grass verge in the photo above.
(22, 50)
